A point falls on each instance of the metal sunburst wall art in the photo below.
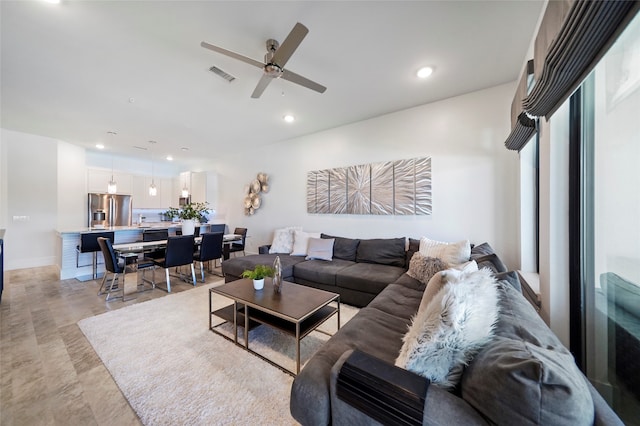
(401, 187)
(252, 197)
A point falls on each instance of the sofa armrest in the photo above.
(386, 393)
(440, 406)
(264, 249)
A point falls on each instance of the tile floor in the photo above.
(49, 373)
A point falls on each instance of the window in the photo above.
(605, 225)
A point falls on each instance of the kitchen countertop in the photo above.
(145, 225)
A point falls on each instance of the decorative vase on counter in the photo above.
(277, 275)
(188, 226)
(258, 284)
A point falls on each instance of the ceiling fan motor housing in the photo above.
(271, 68)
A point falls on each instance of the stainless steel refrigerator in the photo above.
(107, 210)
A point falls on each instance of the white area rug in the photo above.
(174, 371)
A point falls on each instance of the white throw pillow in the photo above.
(452, 253)
(283, 240)
(456, 323)
(320, 248)
(301, 242)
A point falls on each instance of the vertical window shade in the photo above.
(587, 29)
(522, 127)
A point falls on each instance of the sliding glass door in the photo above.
(605, 223)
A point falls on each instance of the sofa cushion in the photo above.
(491, 261)
(385, 251)
(413, 246)
(344, 248)
(368, 277)
(237, 265)
(453, 326)
(510, 277)
(320, 271)
(481, 250)
(525, 375)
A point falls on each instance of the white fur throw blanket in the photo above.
(455, 324)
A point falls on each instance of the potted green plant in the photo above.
(258, 275)
(189, 213)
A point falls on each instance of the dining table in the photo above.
(137, 247)
(131, 251)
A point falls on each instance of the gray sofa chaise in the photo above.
(524, 375)
(359, 271)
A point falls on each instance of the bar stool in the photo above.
(89, 244)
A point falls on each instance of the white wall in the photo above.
(31, 199)
(474, 178)
(72, 186)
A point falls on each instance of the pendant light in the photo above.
(112, 187)
(153, 191)
(185, 190)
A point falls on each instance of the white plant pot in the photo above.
(188, 226)
(258, 284)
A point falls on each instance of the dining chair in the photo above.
(113, 266)
(210, 249)
(239, 246)
(218, 227)
(155, 235)
(179, 252)
(89, 244)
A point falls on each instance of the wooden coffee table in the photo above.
(297, 310)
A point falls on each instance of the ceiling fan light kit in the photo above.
(274, 61)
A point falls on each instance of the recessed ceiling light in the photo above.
(169, 158)
(424, 72)
(184, 149)
(52, 1)
(99, 146)
(289, 118)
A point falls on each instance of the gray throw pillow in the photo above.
(422, 268)
(320, 249)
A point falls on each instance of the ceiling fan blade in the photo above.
(298, 79)
(232, 54)
(290, 44)
(262, 84)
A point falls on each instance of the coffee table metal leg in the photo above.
(246, 326)
(338, 313)
(235, 322)
(297, 348)
(210, 310)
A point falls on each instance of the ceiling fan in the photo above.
(274, 61)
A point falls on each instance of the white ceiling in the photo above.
(76, 70)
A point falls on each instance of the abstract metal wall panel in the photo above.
(405, 189)
(322, 191)
(359, 189)
(423, 185)
(382, 188)
(400, 187)
(338, 191)
(312, 206)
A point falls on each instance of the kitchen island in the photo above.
(72, 264)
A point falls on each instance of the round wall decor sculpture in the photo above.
(252, 193)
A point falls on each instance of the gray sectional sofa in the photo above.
(524, 375)
(359, 270)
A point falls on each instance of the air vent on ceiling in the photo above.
(140, 147)
(222, 74)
